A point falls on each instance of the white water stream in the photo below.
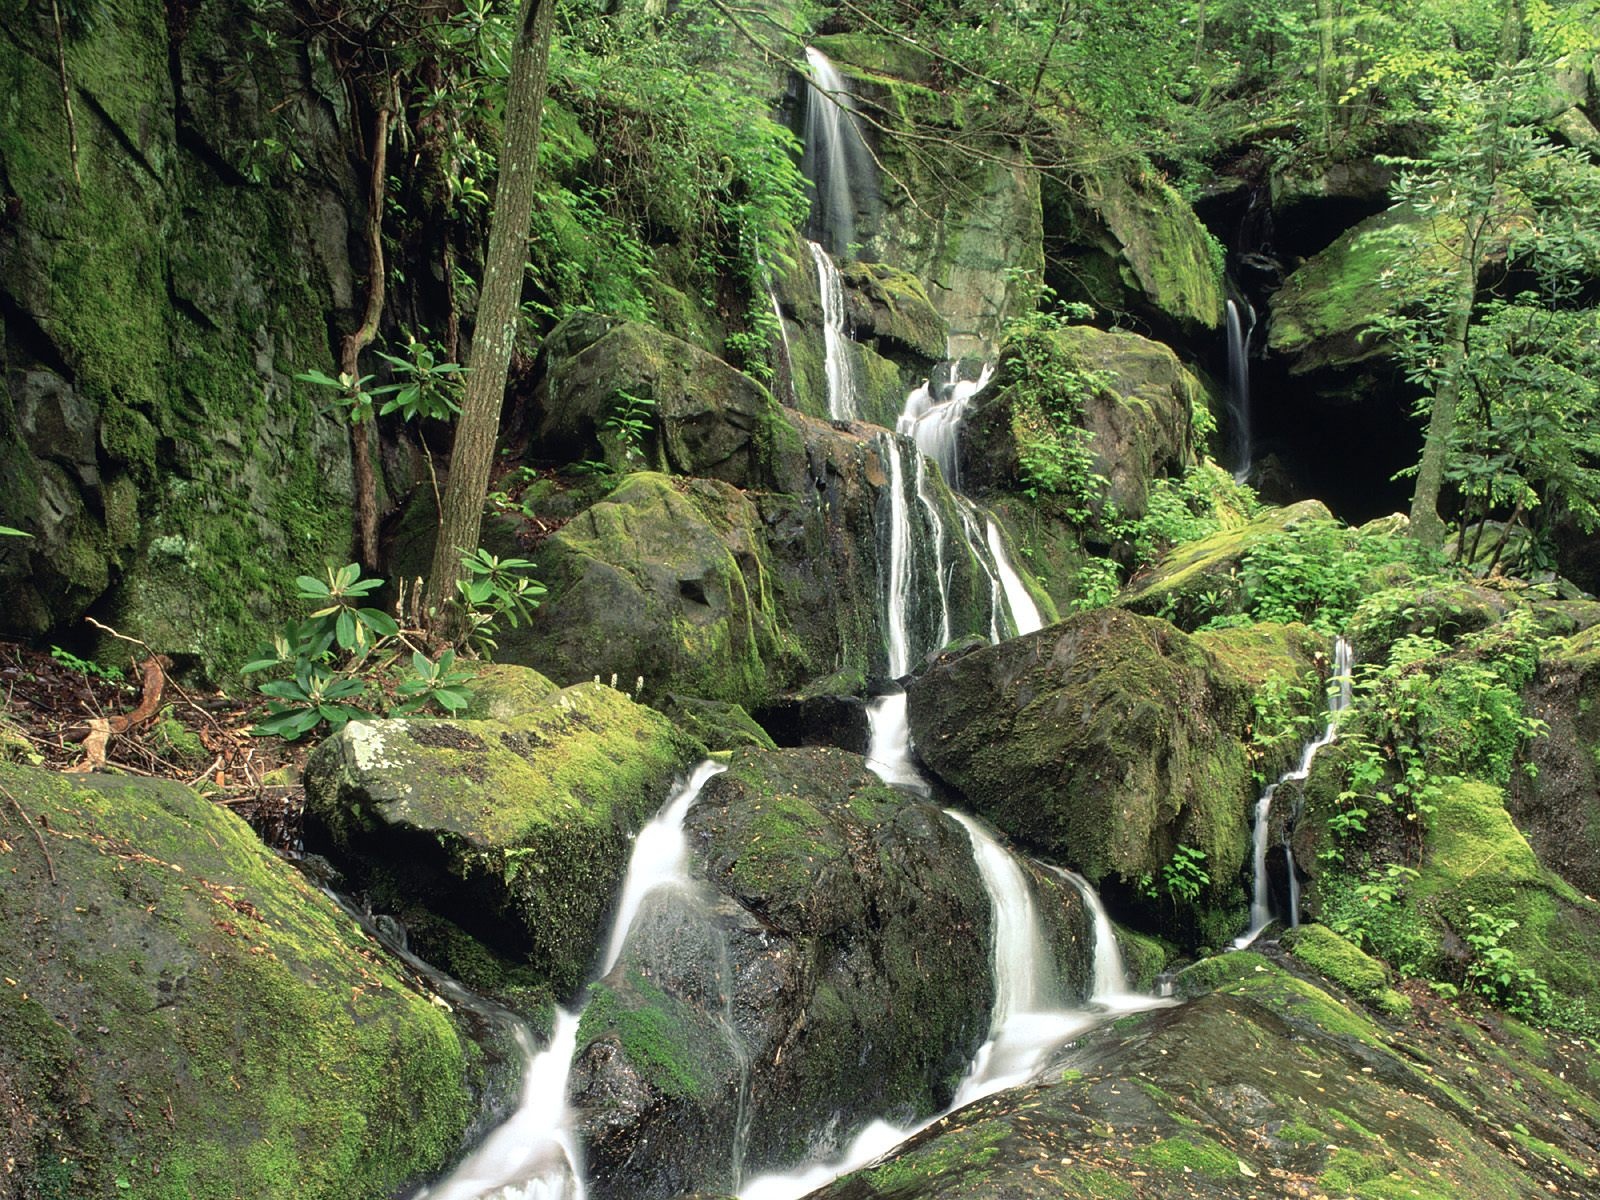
(1260, 895)
(1239, 330)
(836, 156)
(840, 364)
(533, 1154)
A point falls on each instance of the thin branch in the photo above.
(66, 93)
(28, 821)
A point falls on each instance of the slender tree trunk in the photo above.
(1426, 524)
(354, 343)
(461, 518)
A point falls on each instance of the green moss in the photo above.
(967, 1149)
(1325, 952)
(1188, 1154)
(665, 1040)
(201, 1020)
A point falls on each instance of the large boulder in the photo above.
(799, 996)
(185, 1015)
(517, 832)
(699, 415)
(1106, 741)
(1136, 398)
(1272, 1084)
(156, 303)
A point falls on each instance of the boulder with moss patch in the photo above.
(1137, 402)
(186, 1016)
(1266, 1084)
(800, 994)
(1199, 580)
(1107, 741)
(516, 832)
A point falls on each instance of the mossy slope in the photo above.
(186, 1017)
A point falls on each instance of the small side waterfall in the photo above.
(839, 363)
(533, 1154)
(1024, 612)
(1240, 327)
(836, 156)
(1260, 897)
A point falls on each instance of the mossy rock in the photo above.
(1286, 666)
(1199, 580)
(808, 961)
(1105, 741)
(698, 415)
(1343, 962)
(716, 723)
(1321, 317)
(1122, 240)
(517, 832)
(668, 581)
(506, 693)
(1265, 1085)
(1474, 860)
(187, 1017)
(889, 307)
(1137, 407)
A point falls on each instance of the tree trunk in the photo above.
(461, 517)
(1426, 524)
(354, 343)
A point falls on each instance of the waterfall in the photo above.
(836, 156)
(838, 361)
(1024, 613)
(1110, 986)
(533, 1154)
(1260, 895)
(941, 580)
(1239, 331)
(932, 418)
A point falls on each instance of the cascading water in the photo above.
(1260, 896)
(533, 1154)
(932, 418)
(836, 156)
(1024, 612)
(837, 359)
(1240, 327)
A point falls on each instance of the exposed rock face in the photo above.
(1106, 741)
(799, 995)
(1272, 1084)
(517, 832)
(1558, 804)
(706, 418)
(150, 434)
(185, 1015)
(1126, 243)
(967, 227)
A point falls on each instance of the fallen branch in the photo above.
(49, 862)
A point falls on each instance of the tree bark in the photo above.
(354, 343)
(461, 516)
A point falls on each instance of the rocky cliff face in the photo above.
(162, 284)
